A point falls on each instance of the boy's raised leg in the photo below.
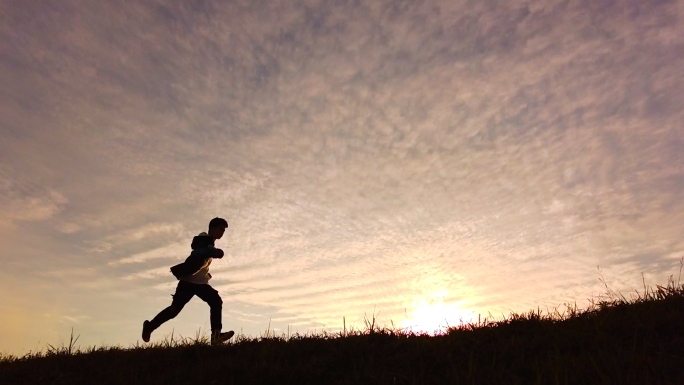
(184, 292)
(147, 331)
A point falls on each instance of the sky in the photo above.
(420, 162)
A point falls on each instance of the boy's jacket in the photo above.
(202, 249)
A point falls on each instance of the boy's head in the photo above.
(217, 227)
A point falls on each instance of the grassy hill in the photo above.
(616, 340)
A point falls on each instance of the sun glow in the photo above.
(432, 315)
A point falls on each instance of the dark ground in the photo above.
(616, 341)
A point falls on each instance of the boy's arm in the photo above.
(203, 245)
(216, 253)
(207, 252)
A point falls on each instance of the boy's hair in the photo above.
(218, 222)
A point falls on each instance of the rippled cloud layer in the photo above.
(426, 161)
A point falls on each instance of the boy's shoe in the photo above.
(217, 338)
(147, 331)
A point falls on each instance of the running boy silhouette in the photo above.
(193, 279)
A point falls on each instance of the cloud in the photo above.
(151, 274)
(71, 320)
(366, 154)
(21, 201)
(172, 251)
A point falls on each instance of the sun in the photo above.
(430, 314)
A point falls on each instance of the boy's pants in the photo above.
(184, 293)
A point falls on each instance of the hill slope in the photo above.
(615, 341)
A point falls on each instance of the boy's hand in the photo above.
(217, 253)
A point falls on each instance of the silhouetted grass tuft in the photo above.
(616, 340)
